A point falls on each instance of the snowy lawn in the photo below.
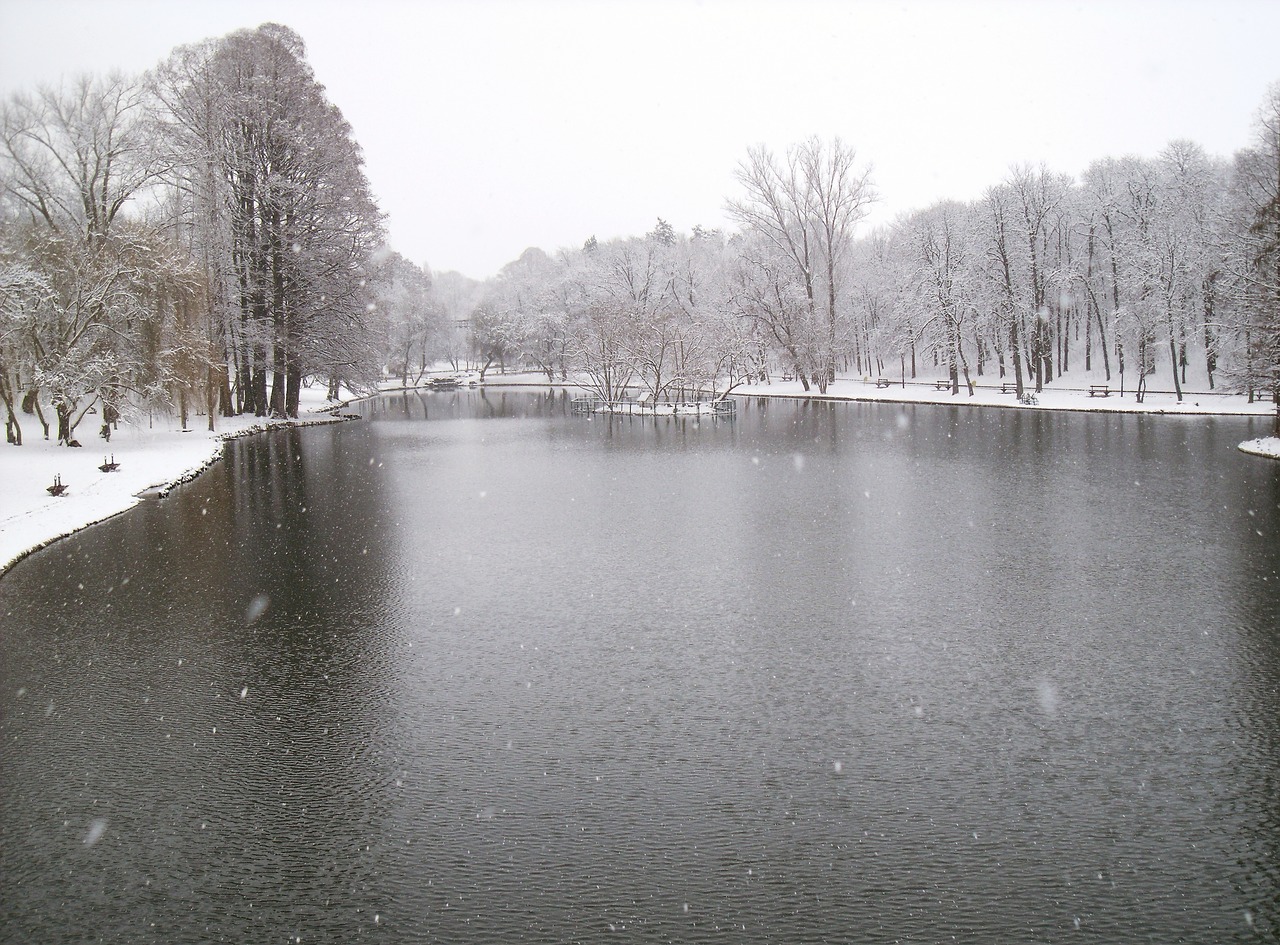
(149, 457)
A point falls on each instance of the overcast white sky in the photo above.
(489, 126)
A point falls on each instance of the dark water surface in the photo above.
(478, 670)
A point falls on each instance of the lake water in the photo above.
(474, 669)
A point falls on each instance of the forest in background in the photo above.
(1170, 262)
(203, 240)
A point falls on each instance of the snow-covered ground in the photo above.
(151, 456)
(1075, 397)
(156, 455)
(1052, 398)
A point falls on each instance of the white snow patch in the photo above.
(1268, 446)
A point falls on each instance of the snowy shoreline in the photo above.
(1158, 402)
(153, 460)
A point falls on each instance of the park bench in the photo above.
(788, 377)
(1099, 390)
(1008, 387)
(883, 382)
(942, 385)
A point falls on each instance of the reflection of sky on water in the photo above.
(534, 674)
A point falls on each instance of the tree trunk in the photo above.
(1210, 345)
(1173, 359)
(279, 322)
(1037, 353)
(12, 428)
(279, 373)
(259, 389)
(1141, 390)
(1088, 337)
(1115, 308)
(953, 353)
(39, 412)
(1102, 341)
(293, 392)
(964, 366)
(63, 414)
(211, 390)
(1046, 348)
(1015, 344)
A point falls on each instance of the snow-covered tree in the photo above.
(408, 315)
(805, 209)
(280, 211)
(1254, 257)
(71, 161)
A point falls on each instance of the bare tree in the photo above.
(940, 282)
(1255, 256)
(806, 209)
(71, 160)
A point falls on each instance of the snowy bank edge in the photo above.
(1267, 447)
(162, 489)
(1058, 399)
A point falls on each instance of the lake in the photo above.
(476, 669)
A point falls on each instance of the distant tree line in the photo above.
(1171, 261)
(673, 314)
(203, 239)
